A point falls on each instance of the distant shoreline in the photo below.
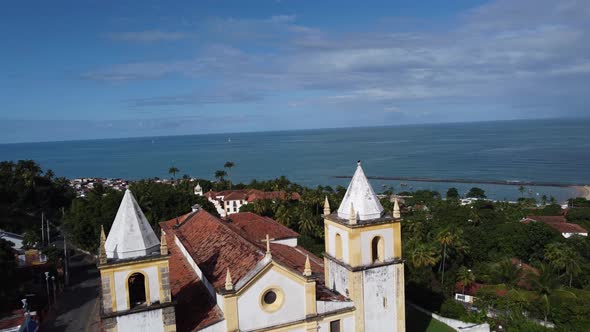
(580, 187)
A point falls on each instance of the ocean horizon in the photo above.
(548, 150)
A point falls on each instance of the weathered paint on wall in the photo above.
(145, 321)
(338, 278)
(380, 298)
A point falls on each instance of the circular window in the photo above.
(271, 299)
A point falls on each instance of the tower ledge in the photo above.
(360, 223)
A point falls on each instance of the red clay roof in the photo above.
(558, 223)
(216, 245)
(195, 308)
(546, 219)
(254, 227)
(251, 195)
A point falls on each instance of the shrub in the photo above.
(452, 309)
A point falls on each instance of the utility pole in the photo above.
(54, 297)
(42, 230)
(66, 275)
(48, 239)
(47, 284)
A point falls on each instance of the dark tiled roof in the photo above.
(255, 227)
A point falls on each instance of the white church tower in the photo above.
(198, 190)
(134, 272)
(363, 258)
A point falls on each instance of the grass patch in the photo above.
(417, 321)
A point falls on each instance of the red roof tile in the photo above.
(216, 245)
(254, 227)
(547, 218)
(195, 309)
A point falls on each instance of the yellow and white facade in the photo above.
(135, 284)
(362, 258)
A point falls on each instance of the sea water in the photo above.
(553, 150)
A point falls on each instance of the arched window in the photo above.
(377, 249)
(136, 286)
(338, 244)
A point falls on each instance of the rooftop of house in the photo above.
(251, 195)
(556, 222)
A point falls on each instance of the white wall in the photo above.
(338, 277)
(145, 321)
(567, 235)
(252, 316)
(121, 285)
(379, 298)
(366, 245)
(332, 231)
(217, 327)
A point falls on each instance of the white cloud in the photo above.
(148, 36)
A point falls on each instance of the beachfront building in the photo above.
(558, 223)
(246, 272)
(228, 202)
(134, 273)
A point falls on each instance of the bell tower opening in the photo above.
(136, 286)
(338, 245)
(377, 249)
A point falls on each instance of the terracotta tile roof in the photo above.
(194, 308)
(546, 219)
(558, 223)
(255, 227)
(216, 245)
(251, 195)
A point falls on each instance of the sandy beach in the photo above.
(583, 191)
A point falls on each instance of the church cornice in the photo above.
(396, 260)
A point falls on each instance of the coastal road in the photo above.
(78, 307)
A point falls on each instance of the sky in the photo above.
(104, 69)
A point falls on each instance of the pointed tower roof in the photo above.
(360, 194)
(131, 234)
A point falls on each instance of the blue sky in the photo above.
(103, 69)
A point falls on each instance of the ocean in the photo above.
(553, 150)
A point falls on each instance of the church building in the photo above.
(246, 272)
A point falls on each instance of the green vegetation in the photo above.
(417, 321)
(519, 268)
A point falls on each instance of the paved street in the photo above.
(78, 307)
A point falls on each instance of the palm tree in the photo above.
(229, 165)
(544, 199)
(423, 255)
(509, 273)
(220, 175)
(544, 283)
(448, 238)
(522, 190)
(562, 257)
(465, 277)
(173, 170)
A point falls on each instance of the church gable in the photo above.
(275, 296)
